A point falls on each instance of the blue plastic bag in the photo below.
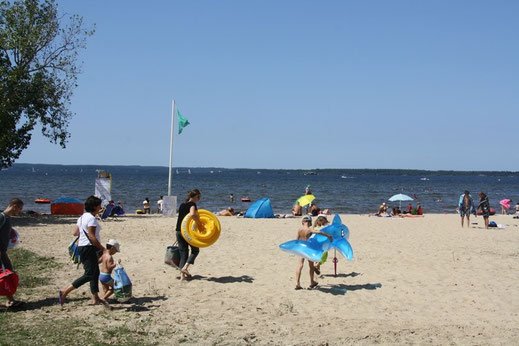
(122, 284)
(73, 251)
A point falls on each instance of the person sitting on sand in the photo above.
(297, 210)
(303, 234)
(314, 209)
(226, 212)
(396, 211)
(107, 266)
(419, 210)
(146, 206)
(382, 210)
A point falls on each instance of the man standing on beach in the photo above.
(465, 207)
(14, 208)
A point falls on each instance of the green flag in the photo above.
(182, 122)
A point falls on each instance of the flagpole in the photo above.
(171, 145)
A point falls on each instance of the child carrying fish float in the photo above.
(313, 248)
(303, 234)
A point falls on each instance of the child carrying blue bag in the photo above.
(122, 284)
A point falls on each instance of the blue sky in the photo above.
(296, 84)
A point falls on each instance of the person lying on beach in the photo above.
(284, 216)
(107, 266)
(303, 234)
(226, 212)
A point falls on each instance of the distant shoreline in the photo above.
(389, 171)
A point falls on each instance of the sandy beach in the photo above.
(412, 281)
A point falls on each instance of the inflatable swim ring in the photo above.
(138, 211)
(41, 200)
(492, 211)
(201, 239)
(14, 239)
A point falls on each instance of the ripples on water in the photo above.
(343, 191)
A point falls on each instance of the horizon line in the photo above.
(270, 169)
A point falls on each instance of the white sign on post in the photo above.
(169, 205)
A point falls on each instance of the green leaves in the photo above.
(38, 72)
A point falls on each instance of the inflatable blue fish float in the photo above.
(314, 248)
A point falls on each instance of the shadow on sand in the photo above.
(225, 279)
(337, 290)
(138, 304)
(38, 304)
(343, 275)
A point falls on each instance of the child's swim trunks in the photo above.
(106, 278)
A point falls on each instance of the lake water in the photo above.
(340, 190)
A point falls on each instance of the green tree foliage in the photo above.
(38, 72)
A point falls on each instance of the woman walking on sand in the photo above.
(188, 207)
(88, 230)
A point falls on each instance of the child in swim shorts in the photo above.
(107, 266)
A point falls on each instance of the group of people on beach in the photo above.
(94, 253)
(466, 206)
(146, 205)
(397, 212)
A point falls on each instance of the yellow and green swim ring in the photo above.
(201, 239)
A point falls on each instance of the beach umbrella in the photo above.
(305, 200)
(400, 197)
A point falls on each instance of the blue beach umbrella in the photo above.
(400, 197)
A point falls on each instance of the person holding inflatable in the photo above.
(319, 223)
(303, 234)
(188, 207)
(14, 208)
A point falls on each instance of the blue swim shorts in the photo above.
(106, 278)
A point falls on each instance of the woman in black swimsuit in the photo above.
(188, 207)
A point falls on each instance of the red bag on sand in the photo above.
(8, 282)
